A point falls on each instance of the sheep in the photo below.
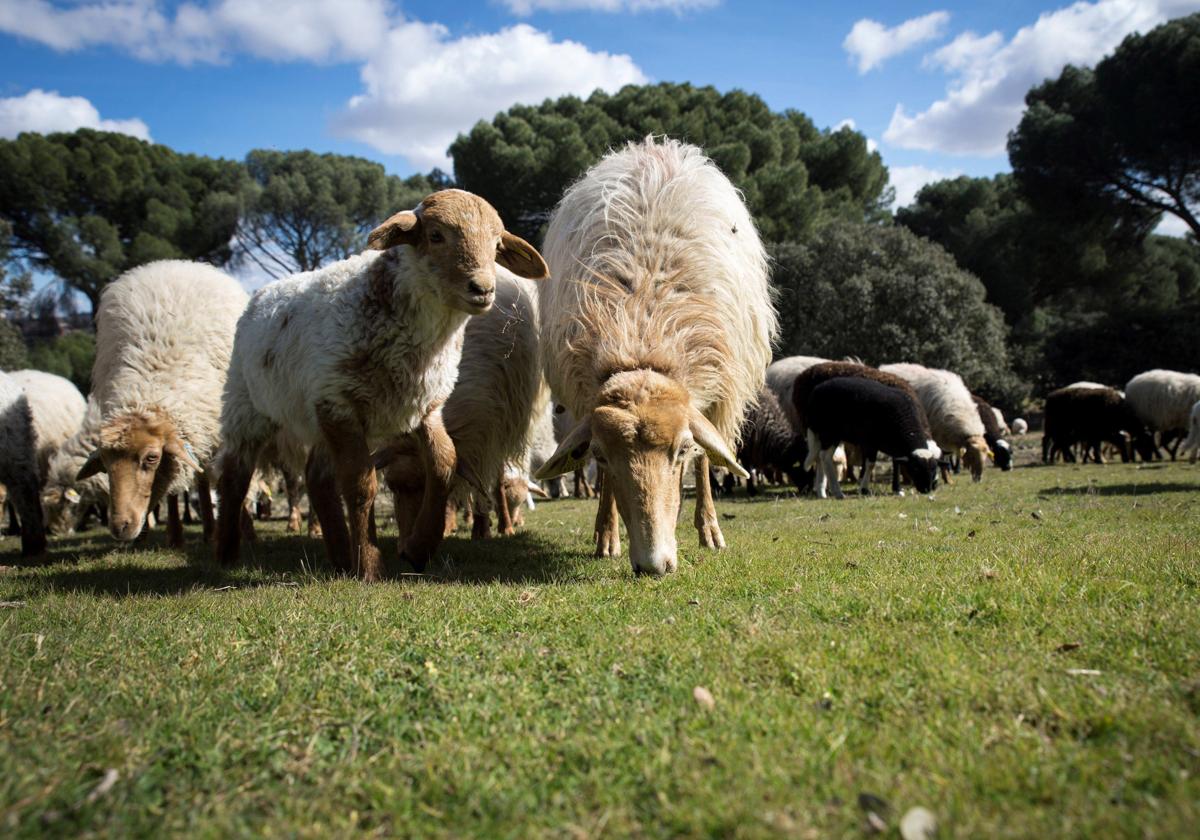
(781, 375)
(658, 326)
(993, 433)
(58, 410)
(874, 416)
(359, 353)
(489, 415)
(1163, 399)
(813, 376)
(64, 499)
(953, 417)
(164, 332)
(769, 442)
(1192, 444)
(1020, 426)
(1091, 415)
(19, 466)
(1001, 423)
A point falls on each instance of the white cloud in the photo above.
(46, 111)
(528, 7)
(986, 95)
(280, 30)
(908, 180)
(871, 43)
(423, 87)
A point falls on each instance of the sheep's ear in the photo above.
(709, 439)
(179, 450)
(536, 490)
(571, 453)
(402, 229)
(93, 465)
(521, 258)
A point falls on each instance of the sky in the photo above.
(936, 86)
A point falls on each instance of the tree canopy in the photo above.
(1122, 141)
(305, 209)
(885, 295)
(793, 175)
(89, 205)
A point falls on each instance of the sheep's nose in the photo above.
(477, 288)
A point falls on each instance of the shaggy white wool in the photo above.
(953, 417)
(57, 408)
(655, 264)
(1163, 399)
(781, 378)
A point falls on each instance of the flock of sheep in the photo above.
(454, 360)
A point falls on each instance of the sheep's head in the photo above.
(62, 508)
(1002, 455)
(641, 434)
(463, 237)
(921, 467)
(140, 451)
(975, 455)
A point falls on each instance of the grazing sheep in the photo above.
(164, 332)
(1163, 399)
(18, 464)
(490, 413)
(769, 442)
(875, 417)
(817, 374)
(1019, 426)
(1090, 416)
(953, 417)
(359, 353)
(658, 325)
(58, 410)
(1192, 444)
(65, 499)
(781, 376)
(993, 433)
(1001, 423)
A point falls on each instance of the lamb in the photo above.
(18, 464)
(769, 442)
(164, 332)
(1091, 415)
(658, 325)
(357, 354)
(953, 417)
(1019, 426)
(489, 415)
(57, 408)
(1163, 399)
(65, 500)
(781, 375)
(1192, 444)
(993, 433)
(815, 375)
(875, 417)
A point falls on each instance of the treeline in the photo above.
(1020, 282)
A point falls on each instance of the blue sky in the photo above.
(936, 85)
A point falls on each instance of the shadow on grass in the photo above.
(525, 557)
(1122, 489)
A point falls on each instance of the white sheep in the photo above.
(164, 332)
(57, 408)
(64, 498)
(657, 328)
(1020, 426)
(953, 417)
(18, 464)
(781, 376)
(1192, 444)
(359, 353)
(1163, 400)
(489, 415)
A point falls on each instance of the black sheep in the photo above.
(769, 443)
(1091, 416)
(876, 418)
(1001, 451)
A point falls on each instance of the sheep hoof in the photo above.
(418, 566)
(711, 536)
(607, 545)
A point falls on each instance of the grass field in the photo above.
(1021, 657)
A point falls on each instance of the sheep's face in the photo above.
(641, 434)
(462, 236)
(1143, 444)
(974, 457)
(921, 466)
(1002, 454)
(62, 509)
(138, 452)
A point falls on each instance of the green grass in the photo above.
(916, 649)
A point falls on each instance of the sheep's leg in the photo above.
(204, 501)
(231, 493)
(607, 531)
(706, 512)
(188, 519)
(504, 520)
(28, 504)
(324, 503)
(355, 474)
(481, 518)
(439, 458)
(291, 484)
(174, 523)
(864, 484)
(830, 471)
(895, 477)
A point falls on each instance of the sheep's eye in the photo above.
(150, 460)
(436, 237)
